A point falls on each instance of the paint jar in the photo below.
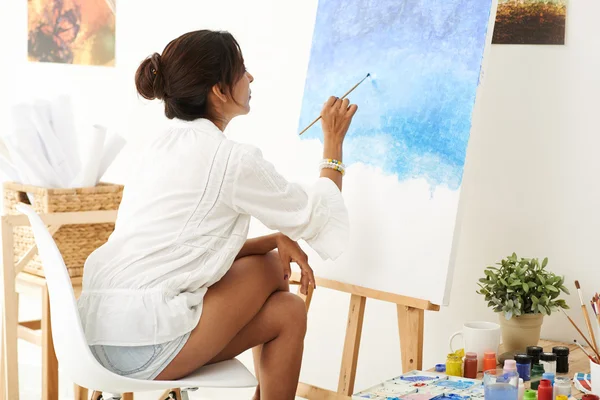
(453, 365)
(562, 386)
(550, 376)
(510, 365)
(534, 352)
(545, 390)
(536, 375)
(440, 368)
(489, 360)
(562, 359)
(548, 360)
(470, 367)
(524, 366)
(530, 395)
(590, 397)
(500, 385)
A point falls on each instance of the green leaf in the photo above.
(541, 308)
(525, 287)
(545, 262)
(483, 280)
(564, 289)
(535, 299)
(503, 282)
(516, 283)
(551, 288)
(541, 278)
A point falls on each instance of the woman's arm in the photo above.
(258, 246)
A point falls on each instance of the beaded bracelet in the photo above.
(335, 166)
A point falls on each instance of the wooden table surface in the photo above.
(578, 361)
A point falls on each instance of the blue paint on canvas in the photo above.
(414, 117)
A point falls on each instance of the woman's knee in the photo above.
(292, 312)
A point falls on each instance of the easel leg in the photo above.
(411, 323)
(10, 315)
(308, 297)
(49, 361)
(352, 344)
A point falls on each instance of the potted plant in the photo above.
(522, 291)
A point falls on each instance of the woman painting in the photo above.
(178, 285)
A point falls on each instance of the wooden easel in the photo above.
(411, 319)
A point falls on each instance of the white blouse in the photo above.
(183, 219)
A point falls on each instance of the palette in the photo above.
(419, 385)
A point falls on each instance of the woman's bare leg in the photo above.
(232, 304)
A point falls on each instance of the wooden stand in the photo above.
(411, 319)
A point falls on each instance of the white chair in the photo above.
(74, 356)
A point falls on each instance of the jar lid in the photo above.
(523, 359)
(440, 368)
(534, 350)
(471, 355)
(560, 351)
(548, 357)
(489, 354)
(530, 394)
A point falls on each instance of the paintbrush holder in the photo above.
(595, 372)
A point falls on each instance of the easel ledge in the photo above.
(411, 320)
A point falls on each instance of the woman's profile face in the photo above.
(241, 94)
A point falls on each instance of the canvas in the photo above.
(406, 148)
(72, 31)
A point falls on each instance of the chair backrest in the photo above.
(72, 351)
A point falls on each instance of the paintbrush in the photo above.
(584, 350)
(343, 97)
(586, 316)
(581, 333)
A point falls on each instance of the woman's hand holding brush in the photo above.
(336, 117)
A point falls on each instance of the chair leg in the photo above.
(173, 394)
(81, 393)
(96, 395)
(49, 361)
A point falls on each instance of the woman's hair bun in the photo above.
(149, 79)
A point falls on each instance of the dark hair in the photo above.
(188, 68)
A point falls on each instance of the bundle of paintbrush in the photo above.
(595, 355)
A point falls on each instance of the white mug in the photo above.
(479, 337)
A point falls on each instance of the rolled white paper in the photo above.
(113, 145)
(63, 124)
(90, 157)
(54, 151)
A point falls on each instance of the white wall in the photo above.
(529, 184)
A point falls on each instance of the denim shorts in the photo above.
(139, 362)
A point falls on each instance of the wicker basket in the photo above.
(75, 242)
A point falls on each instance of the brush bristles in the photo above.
(577, 285)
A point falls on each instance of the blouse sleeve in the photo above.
(317, 214)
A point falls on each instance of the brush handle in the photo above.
(582, 335)
(343, 97)
(589, 325)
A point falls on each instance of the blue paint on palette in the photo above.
(425, 56)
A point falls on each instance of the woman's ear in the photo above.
(218, 91)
